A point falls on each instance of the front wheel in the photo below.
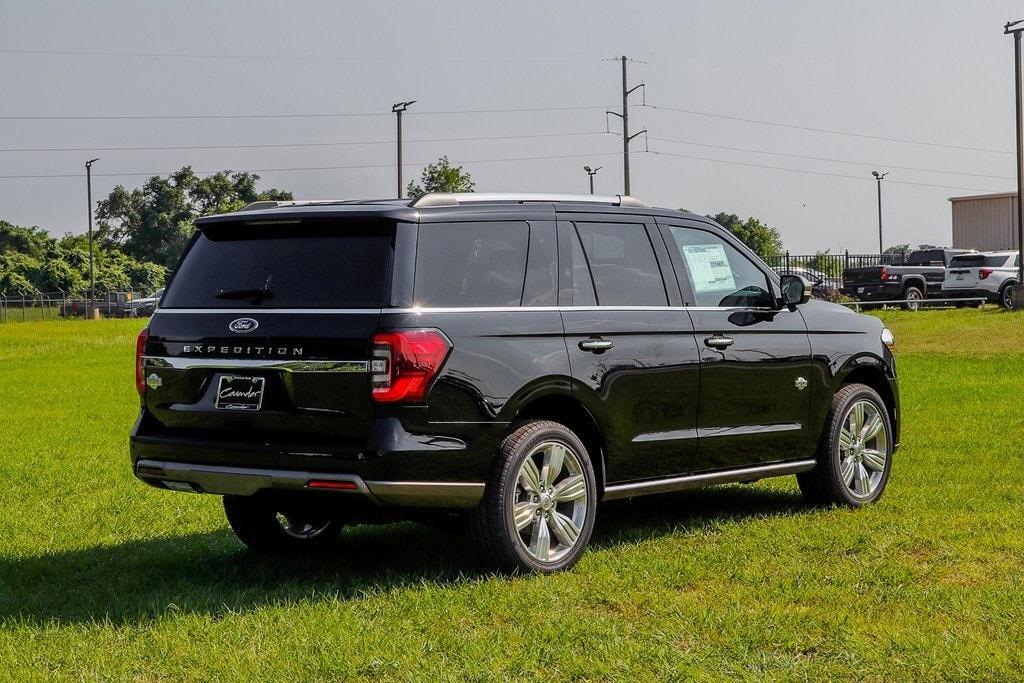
(268, 527)
(538, 512)
(855, 454)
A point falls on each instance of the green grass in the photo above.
(103, 577)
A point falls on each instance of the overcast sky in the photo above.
(930, 71)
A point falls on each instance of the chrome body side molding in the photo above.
(743, 474)
(186, 363)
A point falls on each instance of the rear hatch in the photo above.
(969, 270)
(265, 332)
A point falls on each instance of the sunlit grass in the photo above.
(103, 577)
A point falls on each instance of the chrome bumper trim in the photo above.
(180, 363)
(744, 474)
(245, 481)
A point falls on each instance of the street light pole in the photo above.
(398, 108)
(878, 181)
(1018, 300)
(592, 172)
(92, 275)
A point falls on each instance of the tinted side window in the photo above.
(720, 275)
(471, 264)
(622, 263)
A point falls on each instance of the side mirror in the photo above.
(796, 290)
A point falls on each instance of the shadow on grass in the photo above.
(209, 573)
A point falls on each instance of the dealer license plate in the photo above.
(235, 392)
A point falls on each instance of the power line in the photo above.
(319, 115)
(828, 159)
(312, 168)
(340, 143)
(294, 58)
(809, 172)
(827, 130)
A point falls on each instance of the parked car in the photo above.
(919, 278)
(989, 275)
(144, 307)
(111, 305)
(822, 285)
(510, 360)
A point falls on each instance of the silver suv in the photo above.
(988, 274)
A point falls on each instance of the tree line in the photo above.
(140, 233)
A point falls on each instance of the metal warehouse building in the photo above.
(987, 222)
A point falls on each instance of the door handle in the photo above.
(718, 342)
(596, 345)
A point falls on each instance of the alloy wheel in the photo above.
(863, 448)
(913, 301)
(549, 508)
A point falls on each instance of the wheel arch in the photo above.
(566, 409)
(915, 281)
(873, 374)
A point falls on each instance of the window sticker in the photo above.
(709, 268)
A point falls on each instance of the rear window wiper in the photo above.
(253, 294)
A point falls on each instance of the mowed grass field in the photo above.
(104, 577)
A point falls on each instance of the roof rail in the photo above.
(458, 198)
(273, 204)
(268, 204)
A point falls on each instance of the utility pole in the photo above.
(1018, 293)
(878, 180)
(92, 275)
(592, 172)
(624, 115)
(398, 108)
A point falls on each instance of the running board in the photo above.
(690, 481)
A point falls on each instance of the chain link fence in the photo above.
(59, 306)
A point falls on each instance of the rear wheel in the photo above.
(855, 454)
(268, 527)
(1006, 297)
(913, 297)
(538, 512)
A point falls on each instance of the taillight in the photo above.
(984, 273)
(404, 364)
(140, 349)
(883, 273)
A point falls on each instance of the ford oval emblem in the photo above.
(243, 325)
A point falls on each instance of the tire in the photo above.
(845, 475)
(553, 528)
(264, 527)
(914, 296)
(1006, 296)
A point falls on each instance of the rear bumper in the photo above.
(390, 467)
(246, 481)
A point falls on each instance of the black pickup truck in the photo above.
(919, 277)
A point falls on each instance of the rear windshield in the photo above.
(324, 264)
(929, 257)
(980, 260)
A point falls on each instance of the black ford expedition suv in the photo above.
(510, 359)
